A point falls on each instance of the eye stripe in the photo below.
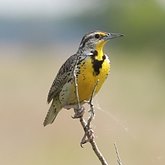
(87, 37)
(84, 40)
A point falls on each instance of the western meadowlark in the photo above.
(92, 66)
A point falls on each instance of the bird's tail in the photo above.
(53, 111)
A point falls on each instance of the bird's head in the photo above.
(96, 40)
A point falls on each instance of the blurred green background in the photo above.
(37, 36)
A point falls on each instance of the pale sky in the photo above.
(19, 8)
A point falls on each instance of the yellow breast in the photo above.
(87, 78)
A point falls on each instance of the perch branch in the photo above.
(79, 112)
(92, 142)
(86, 139)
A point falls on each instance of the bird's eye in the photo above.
(97, 36)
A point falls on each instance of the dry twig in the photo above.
(118, 157)
(88, 132)
(79, 111)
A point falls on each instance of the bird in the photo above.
(88, 66)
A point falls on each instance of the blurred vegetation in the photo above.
(142, 22)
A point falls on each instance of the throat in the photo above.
(99, 55)
(99, 49)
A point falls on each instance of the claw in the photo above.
(78, 113)
(83, 141)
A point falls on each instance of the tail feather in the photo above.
(53, 111)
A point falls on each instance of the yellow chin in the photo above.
(99, 48)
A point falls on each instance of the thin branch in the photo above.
(79, 111)
(92, 111)
(118, 156)
(92, 141)
(76, 84)
(85, 139)
(89, 134)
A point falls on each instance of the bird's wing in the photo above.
(64, 74)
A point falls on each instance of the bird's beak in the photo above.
(112, 35)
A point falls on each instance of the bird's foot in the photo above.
(79, 112)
